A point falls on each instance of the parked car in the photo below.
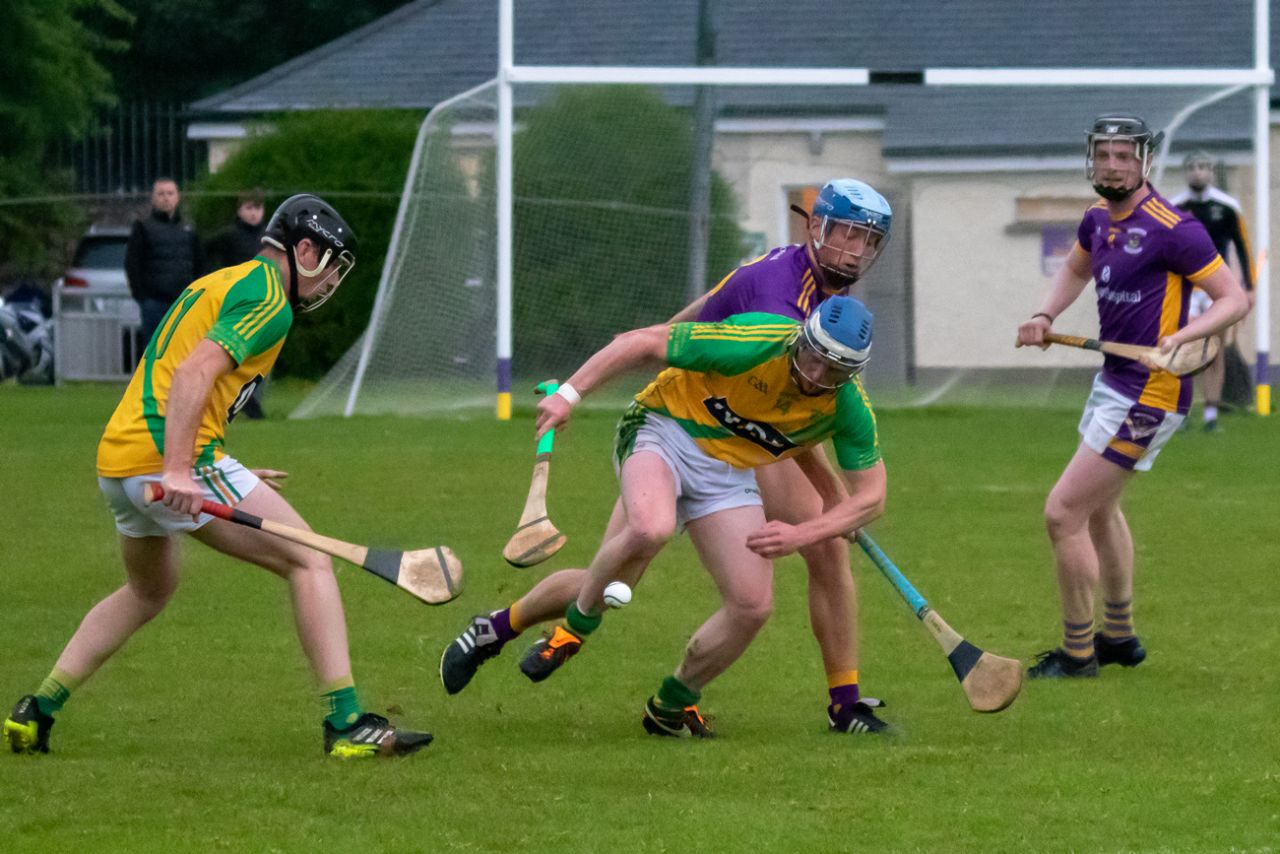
(97, 319)
(98, 263)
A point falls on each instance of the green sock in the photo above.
(674, 694)
(582, 624)
(55, 690)
(342, 703)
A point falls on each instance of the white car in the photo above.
(96, 317)
(98, 265)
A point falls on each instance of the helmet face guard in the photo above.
(853, 223)
(1200, 167)
(847, 248)
(1129, 146)
(339, 267)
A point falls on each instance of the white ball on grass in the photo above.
(617, 594)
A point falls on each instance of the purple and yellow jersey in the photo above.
(1145, 266)
(729, 387)
(245, 310)
(782, 281)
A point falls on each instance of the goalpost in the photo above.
(469, 193)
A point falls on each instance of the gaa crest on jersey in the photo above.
(765, 436)
(1133, 243)
(1106, 274)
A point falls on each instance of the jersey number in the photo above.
(246, 392)
(765, 435)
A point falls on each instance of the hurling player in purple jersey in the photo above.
(847, 229)
(1146, 256)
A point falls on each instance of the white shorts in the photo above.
(1123, 431)
(1199, 304)
(704, 485)
(225, 482)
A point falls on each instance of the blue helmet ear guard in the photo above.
(854, 201)
(839, 330)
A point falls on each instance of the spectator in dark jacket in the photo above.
(163, 256)
(242, 240)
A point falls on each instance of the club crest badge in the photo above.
(1133, 244)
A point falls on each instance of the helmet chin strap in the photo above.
(1115, 194)
(293, 277)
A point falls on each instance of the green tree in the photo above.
(356, 160)
(53, 82)
(602, 178)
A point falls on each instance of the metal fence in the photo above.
(133, 144)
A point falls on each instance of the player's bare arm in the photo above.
(691, 311)
(189, 394)
(820, 473)
(863, 505)
(1068, 284)
(630, 350)
(1230, 304)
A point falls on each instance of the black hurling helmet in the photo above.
(305, 216)
(1123, 127)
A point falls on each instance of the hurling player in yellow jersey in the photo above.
(738, 394)
(215, 345)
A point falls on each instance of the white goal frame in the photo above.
(1259, 77)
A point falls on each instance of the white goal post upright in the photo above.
(1259, 76)
(1262, 198)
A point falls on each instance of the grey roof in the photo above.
(429, 50)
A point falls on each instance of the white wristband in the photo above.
(569, 393)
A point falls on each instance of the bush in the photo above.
(356, 160)
(602, 180)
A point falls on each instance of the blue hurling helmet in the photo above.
(839, 331)
(852, 205)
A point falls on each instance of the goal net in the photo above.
(602, 212)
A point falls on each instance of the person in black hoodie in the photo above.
(164, 255)
(242, 240)
(236, 244)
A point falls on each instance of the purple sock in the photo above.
(502, 625)
(844, 695)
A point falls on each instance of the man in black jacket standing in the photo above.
(163, 256)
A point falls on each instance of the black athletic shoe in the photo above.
(857, 717)
(679, 723)
(549, 652)
(1056, 664)
(461, 659)
(370, 737)
(1127, 653)
(27, 728)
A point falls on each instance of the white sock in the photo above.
(1211, 413)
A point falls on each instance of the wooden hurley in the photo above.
(433, 575)
(536, 537)
(990, 682)
(1189, 358)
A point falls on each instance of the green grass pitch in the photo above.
(203, 733)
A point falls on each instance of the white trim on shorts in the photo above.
(1112, 428)
(224, 482)
(704, 484)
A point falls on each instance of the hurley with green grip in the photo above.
(536, 537)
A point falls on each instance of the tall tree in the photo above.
(53, 81)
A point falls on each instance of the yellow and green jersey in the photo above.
(729, 387)
(245, 310)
